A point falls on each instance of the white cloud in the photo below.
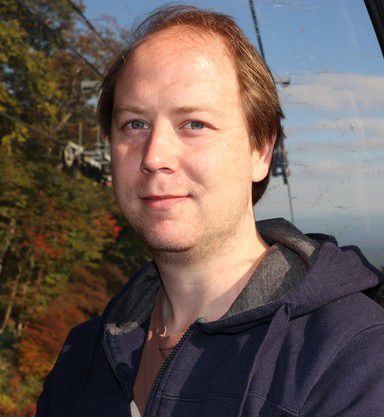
(336, 91)
(351, 133)
(359, 125)
(294, 5)
(334, 168)
(355, 145)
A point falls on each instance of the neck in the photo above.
(208, 287)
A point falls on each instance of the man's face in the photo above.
(181, 160)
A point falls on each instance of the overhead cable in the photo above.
(89, 24)
(34, 129)
(59, 42)
(279, 159)
(257, 30)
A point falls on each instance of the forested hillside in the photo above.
(64, 247)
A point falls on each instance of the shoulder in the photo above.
(331, 328)
(341, 340)
(80, 339)
(84, 330)
(349, 316)
(75, 355)
(65, 379)
(354, 324)
(351, 379)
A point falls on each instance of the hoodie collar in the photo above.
(289, 257)
(281, 231)
(313, 271)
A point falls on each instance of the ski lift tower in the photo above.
(279, 161)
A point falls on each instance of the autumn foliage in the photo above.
(65, 249)
(84, 297)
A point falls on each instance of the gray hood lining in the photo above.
(291, 254)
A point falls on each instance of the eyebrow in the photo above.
(176, 110)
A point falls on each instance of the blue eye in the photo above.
(196, 125)
(137, 125)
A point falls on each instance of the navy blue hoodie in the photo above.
(314, 349)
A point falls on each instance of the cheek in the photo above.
(123, 163)
(221, 164)
(125, 180)
(202, 169)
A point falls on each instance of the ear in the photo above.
(261, 160)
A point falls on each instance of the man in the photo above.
(231, 318)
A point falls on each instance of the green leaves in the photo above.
(63, 243)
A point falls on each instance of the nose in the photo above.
(160, 151)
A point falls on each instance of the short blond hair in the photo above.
(258, 92)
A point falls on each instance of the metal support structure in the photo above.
(290, 201)
(98, 142)
(376, 13)
(256, 25)
(80, 134)
(279, 160)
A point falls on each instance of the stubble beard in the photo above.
(177, 252)
(208, 240)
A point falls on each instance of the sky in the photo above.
(334, 108)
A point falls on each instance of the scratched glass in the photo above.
(331, 71)
(328, 54)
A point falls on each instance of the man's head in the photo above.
(179, 127)
(259, 99)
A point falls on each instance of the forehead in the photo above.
(176, 37)
(178, 52)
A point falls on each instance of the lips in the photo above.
(162, 202)
(162, 197)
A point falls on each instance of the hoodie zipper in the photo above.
(163, 368)
(121, 382)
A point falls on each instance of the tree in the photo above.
(44, 218)
(45, 56)
(64, 246)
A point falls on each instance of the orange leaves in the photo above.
(108, 224)
(45, 245)
(86, 295)
(41, 246)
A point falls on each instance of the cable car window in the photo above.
(328, 54)
(330, 72)
(65, 248)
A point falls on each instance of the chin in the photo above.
(165, 235)
(160, 241)
(166, 247)
(172, 251)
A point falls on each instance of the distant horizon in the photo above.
(341, 226)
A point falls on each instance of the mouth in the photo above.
(161, 197)
(163, 201)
